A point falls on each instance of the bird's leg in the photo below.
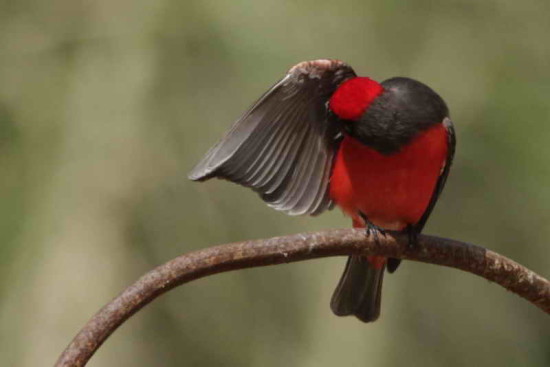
(372, 229)
(413, 237)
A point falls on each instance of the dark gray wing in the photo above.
(283, 146)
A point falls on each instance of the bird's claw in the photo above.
(373, 230)
(376, 232)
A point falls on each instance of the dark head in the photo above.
(386, 116)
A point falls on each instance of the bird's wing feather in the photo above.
(283, 146)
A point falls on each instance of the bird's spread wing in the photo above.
(283, 147)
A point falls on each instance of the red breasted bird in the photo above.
(323, 136)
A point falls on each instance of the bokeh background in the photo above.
(106, 105)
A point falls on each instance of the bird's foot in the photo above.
(378, 233)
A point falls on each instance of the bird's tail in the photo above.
(360, 289)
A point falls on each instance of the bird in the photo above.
(322, 137)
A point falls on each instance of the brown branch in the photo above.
(278, 250)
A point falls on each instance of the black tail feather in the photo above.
(393, 264)
(359, 291)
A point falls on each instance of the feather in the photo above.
(283, 146)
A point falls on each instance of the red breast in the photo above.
(393, 190)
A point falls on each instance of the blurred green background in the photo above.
(106, 105)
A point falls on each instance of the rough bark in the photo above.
(299, 247)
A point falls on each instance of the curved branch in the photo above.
(278, 250)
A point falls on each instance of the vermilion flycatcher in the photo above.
(321, 135)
